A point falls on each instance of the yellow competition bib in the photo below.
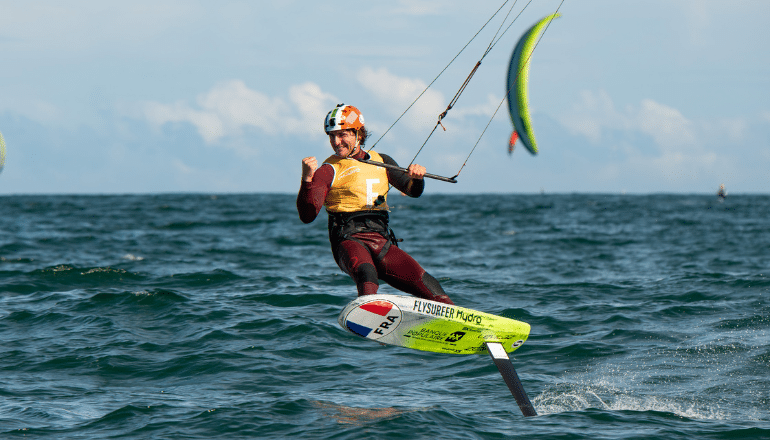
(356, 185)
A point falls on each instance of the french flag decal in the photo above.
(373, 319)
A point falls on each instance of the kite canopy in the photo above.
(518, 75)
(2, 152)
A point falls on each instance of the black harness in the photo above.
(342, 226)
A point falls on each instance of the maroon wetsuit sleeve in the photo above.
(312, 194)
(401, 180)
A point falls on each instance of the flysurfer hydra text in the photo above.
(444, 311)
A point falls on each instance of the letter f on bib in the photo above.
(371, 196)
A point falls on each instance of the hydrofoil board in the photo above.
(420, 324)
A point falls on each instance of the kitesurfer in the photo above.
(355, 197)
(722, 193)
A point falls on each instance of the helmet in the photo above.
(343, 117)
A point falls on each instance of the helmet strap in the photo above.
(356, 147)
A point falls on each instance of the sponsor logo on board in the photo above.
(446, 311)
(435, 309)
(454, 337)
(427, 334)
(470, 318)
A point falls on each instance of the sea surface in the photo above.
(201, 316)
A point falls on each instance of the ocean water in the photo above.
(215, 316)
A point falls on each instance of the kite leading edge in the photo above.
(518, 75)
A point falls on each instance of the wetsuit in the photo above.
(362, 243)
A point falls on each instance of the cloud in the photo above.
(654, 139)
(313, 105)
(596, 114)
(231, 106)
(397, 93)
(666, 125)
(485, 109)
(210, 127)
(35, 109)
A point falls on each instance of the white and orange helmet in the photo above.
(343, 117)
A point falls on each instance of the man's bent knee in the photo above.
(435, 289)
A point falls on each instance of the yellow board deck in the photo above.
(411, 322)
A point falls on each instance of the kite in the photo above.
(518, 75)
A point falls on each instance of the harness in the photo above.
(342, 226)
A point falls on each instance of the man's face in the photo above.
(344, 142)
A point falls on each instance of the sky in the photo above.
(169, 96)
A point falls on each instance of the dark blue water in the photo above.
(201, 316)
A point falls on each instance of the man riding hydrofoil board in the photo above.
(355, 196)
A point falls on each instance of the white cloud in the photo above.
(231, 106)
(397, 93)
(237, 106)
(35, 109)
(313, 105)
(733, 130)
(666, 125)
(485, 109)
(591, 114)
(596, 113)
(210, 127)
(686, 150)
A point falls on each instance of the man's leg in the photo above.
(355, 260)
(403, 272)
